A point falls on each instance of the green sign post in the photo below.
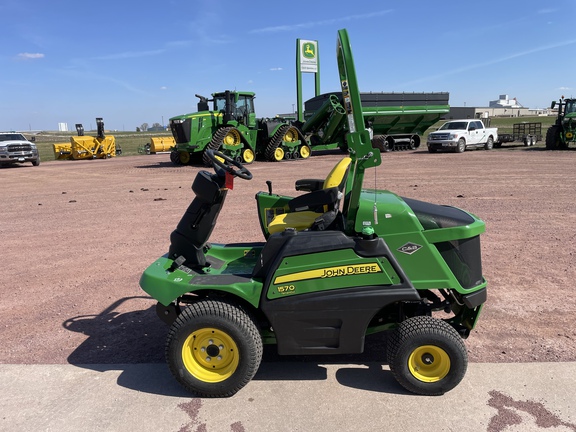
(307, 61)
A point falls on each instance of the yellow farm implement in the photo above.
(85, 147)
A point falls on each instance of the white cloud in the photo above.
(276, 69)
(163, 88)
(330, 21)
(30, 56)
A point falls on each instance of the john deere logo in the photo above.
(309, 51)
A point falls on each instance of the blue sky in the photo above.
(143, 62)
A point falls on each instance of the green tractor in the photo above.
(232, 128)
(563, 131)
(338, 263)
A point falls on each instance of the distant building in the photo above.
(505, 102)
(62, 127)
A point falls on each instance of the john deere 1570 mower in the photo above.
(339, 262)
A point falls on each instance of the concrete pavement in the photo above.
(286, 396)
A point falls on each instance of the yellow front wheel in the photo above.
(427, 356)
(248, 156)
(429, 363)
(214, 348)
(210, 355)
(305, 152)
(278, 154)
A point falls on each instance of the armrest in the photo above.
(314, 201)
(309, 185)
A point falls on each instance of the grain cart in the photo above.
(563, 132)
(338, 263)
(396, 120)
(86, 147)
(231, 127)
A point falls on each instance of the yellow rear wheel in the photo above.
(232, 138)
(184, 157)
(291, 135)
(429, 363)
(427, 356)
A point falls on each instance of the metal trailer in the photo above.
(528, 133)
(395, 120)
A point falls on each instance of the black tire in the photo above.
(489, 144)
(36, 162)
(461, 147)
(414, 142)
(213, 348)
(431, 150)
(553, 138)
(427, 356)
(175, 157)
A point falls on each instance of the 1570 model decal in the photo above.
(328, 272)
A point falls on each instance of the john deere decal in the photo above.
(329, 272)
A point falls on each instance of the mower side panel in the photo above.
(322, 289)
(332, 322)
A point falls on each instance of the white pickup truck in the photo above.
(15, 148)
(459, 135)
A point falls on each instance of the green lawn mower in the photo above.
(339, 262)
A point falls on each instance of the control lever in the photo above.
(269, 184)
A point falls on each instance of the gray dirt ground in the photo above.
(76, 235)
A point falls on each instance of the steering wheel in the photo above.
(216, 157)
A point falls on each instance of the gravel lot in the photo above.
(76, 235)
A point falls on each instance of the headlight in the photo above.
(453, 136)
(2, 148)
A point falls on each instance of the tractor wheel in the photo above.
(175, 157)
(248, 156)
(553, 138)
(414, 142)
(274, 151)
(185, 158)
(427, 356)
(383, 143)
(304, 151)
(226, 135)
(489, 144)
(461, 147)
(213, 348)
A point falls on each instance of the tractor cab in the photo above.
(235, 107)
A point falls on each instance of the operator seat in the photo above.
(188, 240)
(317, 210)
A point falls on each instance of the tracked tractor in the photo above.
(338, 263)
(563, 131)
(232, 128)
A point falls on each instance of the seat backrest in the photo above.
(337, 177)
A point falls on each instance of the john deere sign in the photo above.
(308, 56)
(307, 61)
